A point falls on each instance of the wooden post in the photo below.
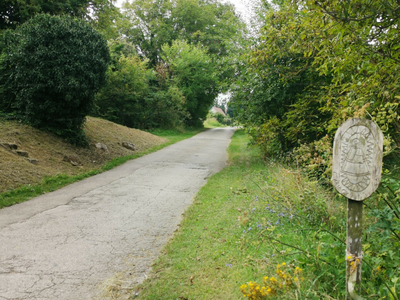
(354, 248)
(356, 174)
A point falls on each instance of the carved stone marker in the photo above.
(357, 158)
(356, 174)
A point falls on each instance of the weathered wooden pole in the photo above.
(356, 174)
(354, 248)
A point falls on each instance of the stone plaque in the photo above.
(357, 158)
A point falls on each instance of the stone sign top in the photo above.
(357, 158)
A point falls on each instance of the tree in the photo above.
(193, 72)
(151, 24)
(51, 68)
(137, 96)
(16, 12)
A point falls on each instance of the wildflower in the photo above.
(277, 222)
(229, 265)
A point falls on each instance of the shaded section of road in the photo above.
(106, 230)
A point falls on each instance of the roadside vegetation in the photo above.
(214, 120)
(263, 230)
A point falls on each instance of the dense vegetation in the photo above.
(312, 66)
(169, 61)
(182, 54)
(51, 68)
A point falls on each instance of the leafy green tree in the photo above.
(120, 100)
(16, 12)
(50, 70)
(193, 72)
(137, 96)
(151, 24)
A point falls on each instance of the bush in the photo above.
(50, 69)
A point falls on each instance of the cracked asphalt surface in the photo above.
(84, 240)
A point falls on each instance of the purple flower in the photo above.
(229, 265)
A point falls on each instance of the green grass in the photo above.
(255, 215)
(229, 237)
(50, 184)
(212, 123)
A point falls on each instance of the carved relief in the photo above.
(357, 158)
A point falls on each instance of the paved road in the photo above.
(83, 241)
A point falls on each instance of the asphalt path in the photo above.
(98, 237)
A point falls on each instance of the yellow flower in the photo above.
(283, 264)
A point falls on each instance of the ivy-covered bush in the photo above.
(50, 69)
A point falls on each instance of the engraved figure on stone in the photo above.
(355, 161)
(355, 168)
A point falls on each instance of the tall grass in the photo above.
(260, 224)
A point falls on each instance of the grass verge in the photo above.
(245, 221)
(264, 231)
(53, 183)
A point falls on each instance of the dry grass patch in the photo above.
(49, 150)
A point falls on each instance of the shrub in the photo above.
(50, 69)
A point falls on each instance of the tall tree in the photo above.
(193, 71)
(16, 12)
(150, 24)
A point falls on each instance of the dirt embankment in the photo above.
(27, 155)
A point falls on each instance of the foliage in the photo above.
(343, 68)
(136, 96)
(16, 12)
(191, 69)
(151, 24)
(127, 84)
(345, 57)
(223, 120)
(51, 68)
